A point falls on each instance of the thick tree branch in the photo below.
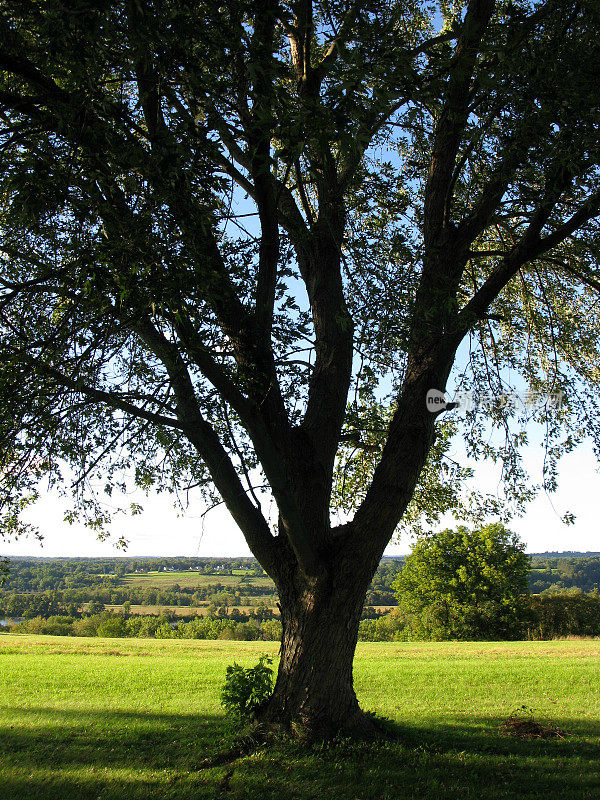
(288, 212)
(335, 46)
(259, 133)
(148, 81)
(300, 34)
(203, 436)
(453, 117)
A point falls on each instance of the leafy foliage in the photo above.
(246, 688)
(135, 234)
(465, 584)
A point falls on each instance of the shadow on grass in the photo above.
(58, 755)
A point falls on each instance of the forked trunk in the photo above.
(314, 692)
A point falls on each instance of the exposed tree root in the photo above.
(359, 726)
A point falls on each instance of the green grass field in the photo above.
(166, 580)
(121, 719)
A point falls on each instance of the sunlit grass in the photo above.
(126, 718)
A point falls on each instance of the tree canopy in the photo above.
(241, 242)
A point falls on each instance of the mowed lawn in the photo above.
(125, 718)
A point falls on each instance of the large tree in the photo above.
(241, 241)
(465, 584)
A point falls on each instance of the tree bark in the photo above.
(314, 692)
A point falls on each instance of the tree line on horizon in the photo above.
(456, 584)
(553, 571)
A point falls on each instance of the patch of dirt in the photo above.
(521, 724)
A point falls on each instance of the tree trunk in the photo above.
(314, 692)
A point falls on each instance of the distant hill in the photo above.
(566, 571)
(105, 578)
(564, 554)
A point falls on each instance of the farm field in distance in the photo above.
(127, 718)
(192, 579)
(184, 611)
(203, 610)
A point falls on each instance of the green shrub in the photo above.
(464, 584)
(271, 631)
(569, 613)
(112, 626)
(53, 626)
(165, 631)
(245, 689)
(86, 626)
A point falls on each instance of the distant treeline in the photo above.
(114, 625)
(39, 574)
(45, 587)
(555, 573)
(66, 587)
(548, 572)
(547, 616)
(69, 601)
